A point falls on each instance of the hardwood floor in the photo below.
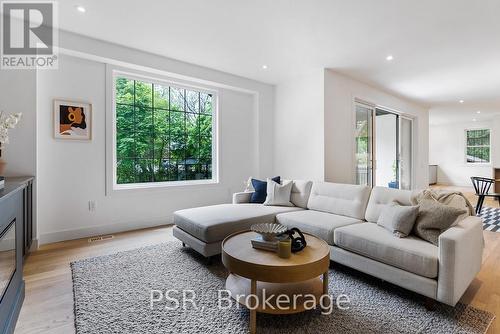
(48, 307)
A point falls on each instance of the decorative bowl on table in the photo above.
(269, 231)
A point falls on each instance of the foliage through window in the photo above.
(478, 146)
(163, 133)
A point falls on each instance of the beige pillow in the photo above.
(398, 219)
(434, 218)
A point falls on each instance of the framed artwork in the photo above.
(72, 120)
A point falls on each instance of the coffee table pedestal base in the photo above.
(281, 298)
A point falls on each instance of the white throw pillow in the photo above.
(301, 190)
(278, 194)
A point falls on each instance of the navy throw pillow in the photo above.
(260, 187)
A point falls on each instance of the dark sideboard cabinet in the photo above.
(16, 236)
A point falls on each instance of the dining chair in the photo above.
(482, 186)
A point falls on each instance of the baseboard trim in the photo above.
(34, 245)
(85, 232)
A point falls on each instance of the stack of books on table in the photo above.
(260, 243)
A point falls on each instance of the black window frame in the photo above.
(472, 142)
(201, 168)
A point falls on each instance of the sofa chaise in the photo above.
(345, 217)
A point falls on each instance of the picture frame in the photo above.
(72, 120)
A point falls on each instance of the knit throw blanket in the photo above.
(452, 198)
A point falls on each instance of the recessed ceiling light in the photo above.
(264, 67)
(81, 9)
(478, 112)
(461, 101)
(474, 119)
(389, 57)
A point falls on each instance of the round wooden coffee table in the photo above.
(263, 274)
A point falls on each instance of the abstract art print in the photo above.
(72, 120)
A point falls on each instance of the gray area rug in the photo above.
(112, 295)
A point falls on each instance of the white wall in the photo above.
(495, 143)
(339, 94)
(123, 56)
(298, 128)
(72, 173)
(447, 150)
(18, 94)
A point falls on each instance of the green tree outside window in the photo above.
(163, 133)
(478, 146)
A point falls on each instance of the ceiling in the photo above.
(443, 50)
(462, 114)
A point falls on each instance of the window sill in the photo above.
(478, 164)
(163, 185)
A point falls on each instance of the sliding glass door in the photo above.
(405, 152)
(383, 148)
(364, 144)
(386, 149)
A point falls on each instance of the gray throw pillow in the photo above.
(434, 218)
(398, 219)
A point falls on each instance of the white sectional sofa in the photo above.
(345, 217)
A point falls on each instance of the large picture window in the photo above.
(477, 146)
(163, 133)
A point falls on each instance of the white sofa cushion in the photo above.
(340, 199)
(411, 254)
(301, 190)
(214, 223)
(320, 224)
(380, 197)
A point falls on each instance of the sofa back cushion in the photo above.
(301, 190)
(381, 197)
(342, 199)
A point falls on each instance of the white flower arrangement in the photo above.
(8, 122)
